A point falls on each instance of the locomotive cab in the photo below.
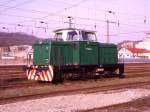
(73, 34)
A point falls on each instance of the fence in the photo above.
(16, 61)
(134, 60)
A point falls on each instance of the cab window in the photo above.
(72, 35)
(58, 35)
(89, 36)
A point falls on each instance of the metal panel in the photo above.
(41, 53)
(88, 53)
(76, 53)
(54, 53)
(61, 53)
(108, 54)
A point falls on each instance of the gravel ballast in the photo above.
(76, 102)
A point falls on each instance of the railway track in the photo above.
(71, 88)
(136, 75)
(14, 75)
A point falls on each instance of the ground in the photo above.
(139, 105)
(118, 100)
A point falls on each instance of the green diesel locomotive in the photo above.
(74, 54)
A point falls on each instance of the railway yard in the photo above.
(113, 94)
(75, 56)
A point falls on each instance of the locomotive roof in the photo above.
(61, 29)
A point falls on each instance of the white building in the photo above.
(15, 54)
(133, 53)
(145, 44)
(21, 50)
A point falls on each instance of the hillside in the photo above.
(8, 39)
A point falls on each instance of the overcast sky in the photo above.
(133, 17)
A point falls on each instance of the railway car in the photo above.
(74, 54)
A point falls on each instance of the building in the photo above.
(15, 54)
(145, 44)
(128, 44)
(21, 51)
(133, 53)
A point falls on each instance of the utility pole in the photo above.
(107, 31)
(108, 22)
(42, 22)
(108, 36)
(6, 29)
(70, 21)
(18, 26)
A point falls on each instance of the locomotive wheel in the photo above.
(121, 76)
(108, 74)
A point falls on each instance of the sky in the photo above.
(128, 19)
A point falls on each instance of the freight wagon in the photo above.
(74, 54)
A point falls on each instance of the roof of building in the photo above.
(138, 50)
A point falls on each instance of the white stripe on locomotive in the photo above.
(49, 76)
(51, 70)
(45, 77)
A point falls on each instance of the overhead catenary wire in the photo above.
(89, 19)
(35, 11)
(100, 10)
(104, 11)
(46, 12)
(69, 7)
(78, 17)
(7, 2)
(25, 9)
(126, 33)
(17, 5)
(77, 24)
(51, 28)
(96, 9)
(53, 14)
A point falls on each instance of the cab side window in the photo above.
(58, 36)
(72, 35)
(88, 36)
